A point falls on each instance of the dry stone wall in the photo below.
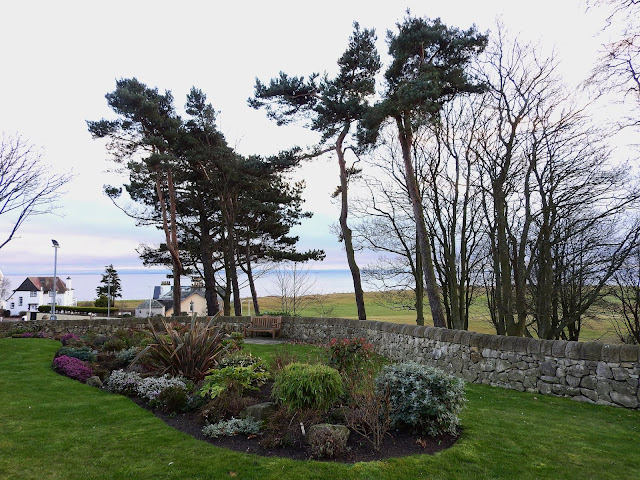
(585, 371)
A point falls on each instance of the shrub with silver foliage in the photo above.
(131, 383)
(232, 427)
(424, 398)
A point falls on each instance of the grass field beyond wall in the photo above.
(52, 427)
(596, 326)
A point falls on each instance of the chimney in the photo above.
(69, 283)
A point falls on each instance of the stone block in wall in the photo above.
(548, 369)
(603, 389)
(508, 344)
(522, 344)
(572, 381)
(590, 394)
(565, 390)
(534, 347)
(546, 347)
(603, 370)
(496, 342)
(447, 335)
(484, 341)
(629, 353)
(549, 379)
(530, 382)
(470, 375)
(516, 376)
(475, 357)
(544, 387)
(456, 365)
(465, 338)
(628, 401)
(582, 398)
(588, 382)
(489, 353)
(502, 365)
(558, 348)
(610, 353)
(620, 374)
(488, 365)
(573, 350)
(591, 351)
(623, 388)
(457, 336)
(579, 370)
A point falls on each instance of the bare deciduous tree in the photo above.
(27, 187)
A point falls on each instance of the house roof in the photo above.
(154, 304)
(35, 284)
(185, 293)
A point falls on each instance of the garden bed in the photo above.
(399, 443)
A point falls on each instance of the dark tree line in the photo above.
(219, 211)
(486, 178)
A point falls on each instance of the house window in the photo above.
(20, 301)
(51, 293)
(13, 305)
(33, 294)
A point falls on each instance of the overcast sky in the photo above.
(60, 58)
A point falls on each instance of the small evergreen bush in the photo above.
(247, 426)
(82, 353)
(114, 345)
(72, 368)
(300, 385)
(421, 397)
(173, 399)
(125, 357)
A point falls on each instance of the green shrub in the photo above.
(125, 357)
(421, 397)
(86, 354)
(173, 399)
(300, 385)
(191, 351)
(243, 360)
(236, 380)
(114, 345)
(247, 426)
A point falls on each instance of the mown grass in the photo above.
(55, 428)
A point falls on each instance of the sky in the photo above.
(60, 58)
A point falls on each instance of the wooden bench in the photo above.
(266, 324)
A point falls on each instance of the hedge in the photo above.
(63, 309)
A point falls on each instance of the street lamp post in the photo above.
(56, 246)
(109, 297)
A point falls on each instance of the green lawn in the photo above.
(52, 427)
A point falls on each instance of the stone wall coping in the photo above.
(560, 349)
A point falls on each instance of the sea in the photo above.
(139, 284)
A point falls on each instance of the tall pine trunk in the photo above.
(346, 231)
(405, 135)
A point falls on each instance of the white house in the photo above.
(192, 300)
(36, 291)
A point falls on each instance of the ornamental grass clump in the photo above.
(189, 351)
(300, 386)
(72, 368)
(423, 398)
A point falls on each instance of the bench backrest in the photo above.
(266, 322)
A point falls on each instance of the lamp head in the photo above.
(55, 243)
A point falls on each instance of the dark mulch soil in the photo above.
(399, 444)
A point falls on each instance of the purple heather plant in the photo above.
(69, 337)
(28, 335)
(42, 334)
(72, 368)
